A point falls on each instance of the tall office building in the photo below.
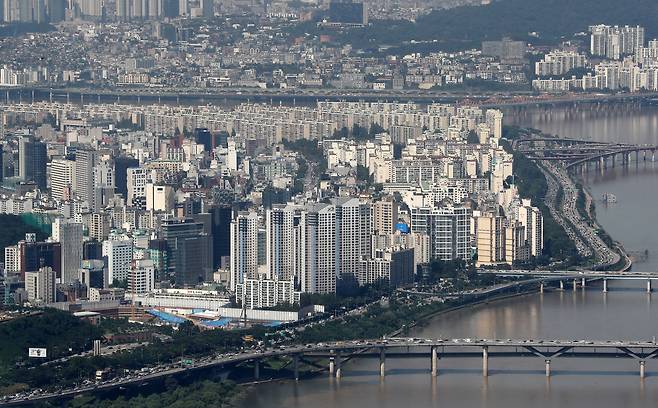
(118, 254)
(85, 161)
(141, 278)
(92, 274)
(136, 187)
(62, 179)
(217, 223)
(69, 235)
(40, 285)
(103, 185)
(189, 251)
(32, 161)
(448, 229)
(121, 166)
(244, 247)
(35, 255)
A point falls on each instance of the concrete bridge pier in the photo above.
(434, 362)
(295, 363)
(332, 360)
(561, 285)
(256, 370)
(548, 367)
(605, 286)
(582, 283)
(382, 362)
(575, 284)
(642, 369)
(648, 285)
(338, 368)
(485, 361)
(541, 287)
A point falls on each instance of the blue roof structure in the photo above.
(217, 323)
(167, 317)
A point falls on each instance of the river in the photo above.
(631, 219)
(626, 312)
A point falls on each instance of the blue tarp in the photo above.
(167, 317)
(217, 323)
(272, 324)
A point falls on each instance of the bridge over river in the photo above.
(434, 350)
(578, 155)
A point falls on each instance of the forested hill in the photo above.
(462, 27)
(12, 229)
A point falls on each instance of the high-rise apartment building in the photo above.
(282, 229)
(385, 215)
(531, 218)
(62, 179)
(244, 247)
(318, 255)
(353, 239)
(613, 42)
(448, 229)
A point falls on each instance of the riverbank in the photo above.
(563, 203)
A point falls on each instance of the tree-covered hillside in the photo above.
(12, 230)
(465, 27)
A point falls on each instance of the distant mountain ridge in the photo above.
(469, 25)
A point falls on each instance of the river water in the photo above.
(626, 312)
(631, 220)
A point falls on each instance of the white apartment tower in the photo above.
(244, 247)
(282, 226)
(318, 242)
(531, 218)
(353, 239)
